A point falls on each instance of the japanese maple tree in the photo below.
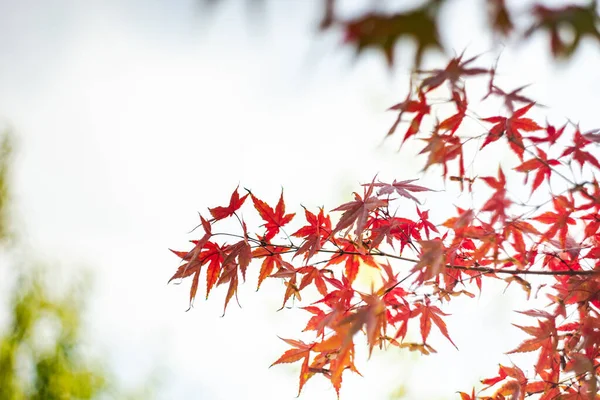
(550, 248)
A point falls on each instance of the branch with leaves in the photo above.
(424, 264)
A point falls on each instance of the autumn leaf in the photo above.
(272, 260)
(513, 386)
(235, 202)
(453, 122)
(498, 203)
(240, 251)
(357, 211)
(526, 286)
(420, 108)
(212, 254)
(319, 321)
(559, 220)
(460, 223)
(578, 154)
(313, 275)
(511, 127)
(403, 188)
(592, 226)
(193, 255)
(441, 149)
(501, 23)
(351, 255)
(428, 315)
(509, 98)
(548, 245)
(382, 31)
(393, 228)
(300, 351)
(552, 135)
(543, 167)
(455, 69)
(342, 295)
(372, 316)
(291, 290)
(344, 359)
(315, 234)
(544, 339)
(432, 260)
(580, 20)
(425, 223)
(274, 219)
(229, 275)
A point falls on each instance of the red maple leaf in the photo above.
(274, 219)
(272, 260)
(453, 122)
(212, 254)
(421, 108)
(579, 142)
(318, 321)
(543, 167)
(393, 228)
(455, 69)
(372, 316)
(510, 97)
(313, 274)
(511, 127)
(192, 256)
(592, 226)
(425, 223)
(315, 234)
(343, 294)
(352, 256)
(499, 183)
(544, 338)
(432, 260)
(400, 187)
(229, 274)
(430, 314)
(515, 387)
(235, 202)
(300, 351)
(443, 148)
(498, 203)
(560, 220)
(357, 211)
(552, 135)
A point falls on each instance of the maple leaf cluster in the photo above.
(425, 264)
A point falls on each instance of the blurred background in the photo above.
(122, 119)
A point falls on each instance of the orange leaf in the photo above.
(274, 219)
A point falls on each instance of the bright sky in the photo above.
(131, 116)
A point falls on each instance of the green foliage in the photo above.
(42, 351)
(54, 370)
(5, 151)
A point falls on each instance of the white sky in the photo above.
(131, 116)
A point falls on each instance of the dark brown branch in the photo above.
(484, 270)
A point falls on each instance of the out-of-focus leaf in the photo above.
(382, 31)
(577, 21)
